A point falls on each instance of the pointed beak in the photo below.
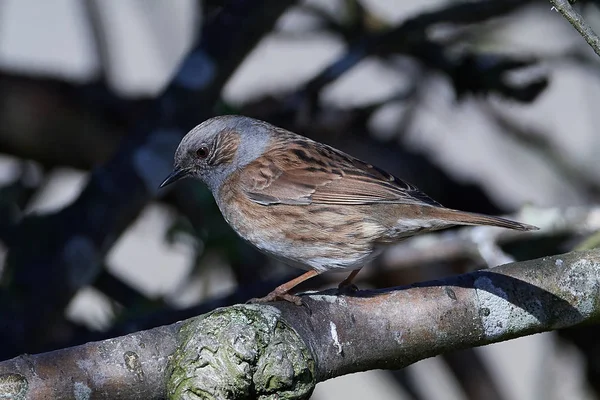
(174, 176)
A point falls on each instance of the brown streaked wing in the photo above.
(267, 184)
(312, 173)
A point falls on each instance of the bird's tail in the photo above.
(468, 218)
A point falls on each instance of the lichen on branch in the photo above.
(241, 352)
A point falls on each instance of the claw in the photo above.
(347, 289)
(275, 296)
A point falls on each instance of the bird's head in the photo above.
(216, 148)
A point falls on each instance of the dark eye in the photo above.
(202, 152)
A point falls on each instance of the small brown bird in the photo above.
(306, 203)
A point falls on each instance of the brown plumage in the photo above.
(307, 203)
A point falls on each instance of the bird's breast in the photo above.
(307, 236)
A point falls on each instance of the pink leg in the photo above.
(348, 281)
(281, 292)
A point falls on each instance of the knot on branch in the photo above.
(240, 352)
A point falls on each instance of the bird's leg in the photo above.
(346, 284)
(281, 292)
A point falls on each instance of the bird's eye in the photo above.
(202, 152)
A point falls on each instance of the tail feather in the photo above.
(468, 218)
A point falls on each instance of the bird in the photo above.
(306, 203)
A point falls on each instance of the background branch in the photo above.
(264, 351)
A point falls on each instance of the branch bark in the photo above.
(564, 7)
(281, 350)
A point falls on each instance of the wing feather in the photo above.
(305, 172)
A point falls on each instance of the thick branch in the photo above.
(282, 350)
(129, 367)
(392, 329)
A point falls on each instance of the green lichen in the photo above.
(133, 364)
(13, 386)
(240, 352)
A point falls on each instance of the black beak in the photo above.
(174, 176)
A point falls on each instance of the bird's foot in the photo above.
(277, 296)
(347, 288)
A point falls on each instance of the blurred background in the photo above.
(487, 106)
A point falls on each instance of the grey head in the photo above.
(218, 147)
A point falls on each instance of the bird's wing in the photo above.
(304, 173)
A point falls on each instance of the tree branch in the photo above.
(129, 367)
(282, 350)
(564, 7)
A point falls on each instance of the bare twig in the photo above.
(564, 7)
(281, 350)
